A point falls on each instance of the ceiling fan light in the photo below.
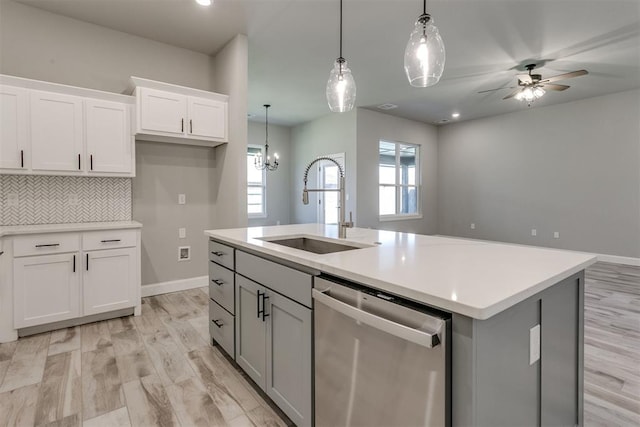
(341, 88)
(424, 55)
(538, 92)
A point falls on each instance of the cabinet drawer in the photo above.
(287, 281)
(222, 327)
(221, 254)
(221, 287)
(43, 244)
(109, 239)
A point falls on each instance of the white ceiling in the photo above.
(293, 43)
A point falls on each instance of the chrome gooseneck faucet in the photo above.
(343, 224)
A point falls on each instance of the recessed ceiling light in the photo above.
(387, 106)
(204, 2)
(455, 115)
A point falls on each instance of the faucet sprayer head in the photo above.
(305, 196)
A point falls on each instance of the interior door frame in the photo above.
(340, 158)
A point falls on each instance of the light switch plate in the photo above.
(534, 232)
(182, 199)
(556, 234)
(182, 233)
(534, 344)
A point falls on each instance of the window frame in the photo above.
(399, 186)
(263, 185)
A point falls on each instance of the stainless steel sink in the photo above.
(312, 245)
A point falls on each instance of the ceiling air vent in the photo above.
(387, 106)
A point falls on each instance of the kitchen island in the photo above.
(500, 297)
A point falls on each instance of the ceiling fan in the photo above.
(533, 86)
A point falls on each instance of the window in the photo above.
(256, 185)
(399, 180)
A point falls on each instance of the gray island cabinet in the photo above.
(260, 314)
(516, 347)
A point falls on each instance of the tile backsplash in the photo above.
(63, 199)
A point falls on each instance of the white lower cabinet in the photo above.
(109, 280)
(46, 289)
(273, 346)
(61, 276)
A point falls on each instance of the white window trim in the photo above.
(263, 214)
(418, 186)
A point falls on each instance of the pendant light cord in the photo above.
(424, 7)
(341, 28)
(266, 129)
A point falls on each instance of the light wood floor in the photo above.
(158, 369)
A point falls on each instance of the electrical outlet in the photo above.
(473, 226)
(556, 234)
(72, 199)
(12, 200)
(534, 344)
(182, 199)
(182, 233)
(184, 253)
(534, 232)
(278, 222)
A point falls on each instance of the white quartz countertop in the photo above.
(14, 230)
(474, 278)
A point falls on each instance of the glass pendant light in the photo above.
(424, 56)
(341, 87)
(259, 162)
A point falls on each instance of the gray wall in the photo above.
(333, 133)
(572, 168)
(278, 181)
(374, 126)
(41, 45)
(44, 46)
(229, 178)
(163, 172)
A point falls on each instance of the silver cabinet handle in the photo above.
(425, 339)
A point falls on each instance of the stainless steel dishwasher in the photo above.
(379, 360)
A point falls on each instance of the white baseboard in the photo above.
(619, 259)
(174, 286)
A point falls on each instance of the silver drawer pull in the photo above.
(110, 240)
(48, 245)
(218, 253)
(218, 323)
(218, 282)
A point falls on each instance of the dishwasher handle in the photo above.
(425, 339)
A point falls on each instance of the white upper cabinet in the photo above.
(13, 128)
(162, 111)
(52, 129)
(207, 118)
(170, 113)
(56, 132)
(108, 136)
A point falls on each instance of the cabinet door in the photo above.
(46, 289)
(56, 132)
(250, 330)
(109, 139)
(13, 128)
(207, 118)
(163, 112)
(109, 280)
(289, 358)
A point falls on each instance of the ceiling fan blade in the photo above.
(565, 76)
(499, 88)
(512, 94)
(554, 86)
(525, 78)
